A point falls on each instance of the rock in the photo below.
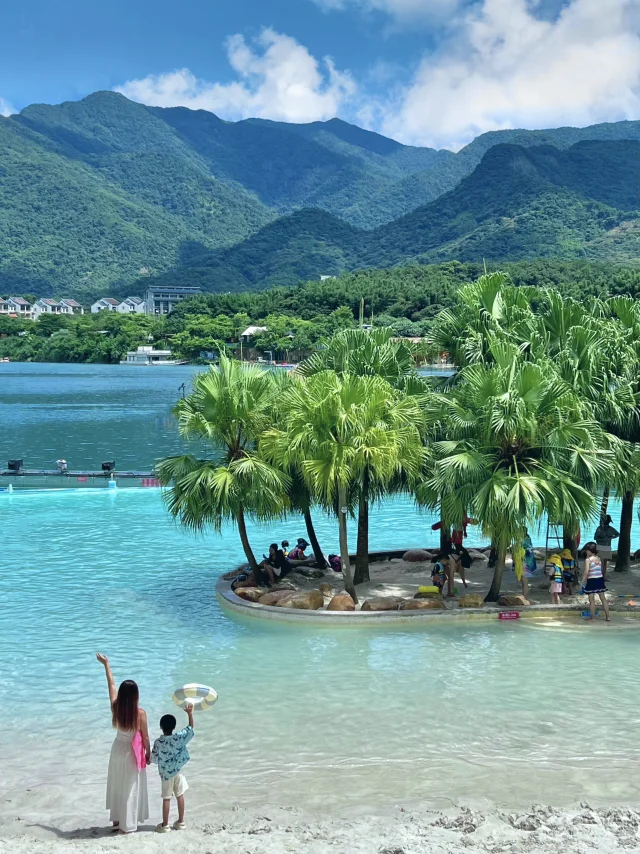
(282, 585)
(424, 605)
(275, 596)
(341, 602)
(310, 573)
(512, 600)
(416, 556)
(305, 600)
(250, 594)
(474, 554)
(636, 555)
(327, 589)
(383, 603)
(471, 600)
(539, 554)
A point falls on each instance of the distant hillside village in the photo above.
(156, 301)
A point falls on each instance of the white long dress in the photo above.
(127, 797)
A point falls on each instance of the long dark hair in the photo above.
(125, 706)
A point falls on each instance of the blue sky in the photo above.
(427, 72)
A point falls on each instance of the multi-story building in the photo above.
(18, 307)
(72, 306)
(52, 306)
(163, 299)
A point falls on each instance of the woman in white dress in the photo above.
(127, 798)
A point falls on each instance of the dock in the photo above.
(104, 475)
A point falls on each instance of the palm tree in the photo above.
(519, 446)
(228, 410)
(358, 352)
(338, 428)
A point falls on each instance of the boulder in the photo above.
(275, 596)
(327, 589)
(305, 600)
(512, 600)
(424, 605)
(309, 573)
(471, 600)
(636, 555)
(383, 603)
(282, 585)
(474, 554)
(416, 556)
(341, 602)
(250, 594)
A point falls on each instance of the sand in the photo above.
(397, 577)
(400, 831)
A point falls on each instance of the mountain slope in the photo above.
(519, 203)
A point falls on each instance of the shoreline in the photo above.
(402, 829)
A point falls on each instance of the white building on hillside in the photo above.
(17, 307)
(51, 306)
(131, 305)
(105, 304)
(251, 332)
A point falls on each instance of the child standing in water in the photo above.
(171, 755)
(593, 582)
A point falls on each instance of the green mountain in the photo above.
(519, 203)
(94, 193)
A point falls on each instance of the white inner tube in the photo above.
(201, 697)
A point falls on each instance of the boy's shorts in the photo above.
(176, 785)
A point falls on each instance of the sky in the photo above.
(426, 72)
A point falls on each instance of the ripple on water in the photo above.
(306, 715)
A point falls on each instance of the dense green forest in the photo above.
(96, 193)
(298, 318)
(519, 203)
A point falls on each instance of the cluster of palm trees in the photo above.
(540, 419)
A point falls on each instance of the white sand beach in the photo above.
(267, 830)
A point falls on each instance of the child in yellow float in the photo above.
(556, 574)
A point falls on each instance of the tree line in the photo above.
(540, 420)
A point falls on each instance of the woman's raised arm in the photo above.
(113, 691)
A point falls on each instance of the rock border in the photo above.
(234, 604)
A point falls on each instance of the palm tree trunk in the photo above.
(344, 545)
(570, 541)
(362, 549)
(315, 545)
(445, 536)
(498, 572)
(242, 528)
(623, 561)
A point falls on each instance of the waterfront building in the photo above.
(149, 356)
(19, 307)
(51, 306)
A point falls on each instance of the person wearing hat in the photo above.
(569, 576)
(555, 588)
(297, 552)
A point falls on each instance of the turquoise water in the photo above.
(514, 713)
(314, 716)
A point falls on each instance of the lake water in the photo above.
(311, 716)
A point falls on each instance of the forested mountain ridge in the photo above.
(519, 203)
(94, 193)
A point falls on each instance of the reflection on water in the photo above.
(308, 716)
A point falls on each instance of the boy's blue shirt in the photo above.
(170, 752)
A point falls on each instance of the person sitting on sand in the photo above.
(274, 566)
(593, 582)
(297, 552)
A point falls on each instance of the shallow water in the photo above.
(315, 716)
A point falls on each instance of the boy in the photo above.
(171, 755)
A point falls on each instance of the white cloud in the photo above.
(504, 68)
(6, 109)
(402, 10)
(277, 79)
